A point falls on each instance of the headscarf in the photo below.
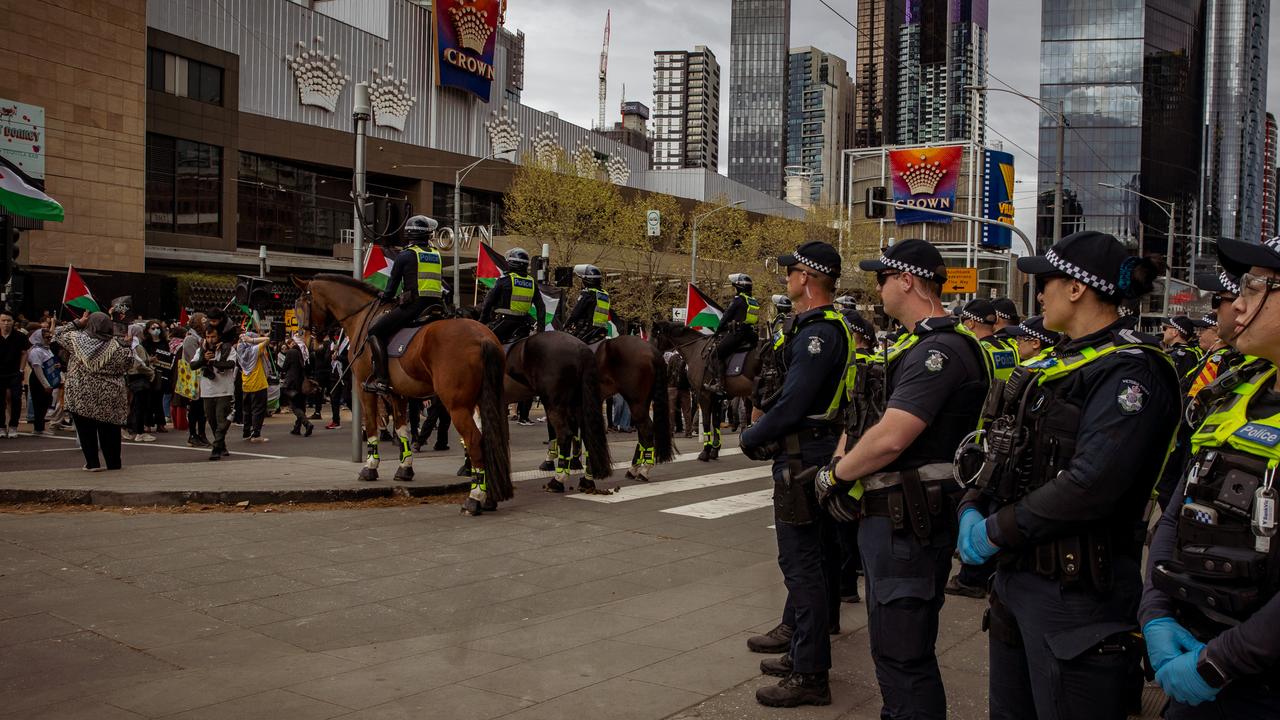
(136, 333)
(247, 353)
(99, 327)
(302, 347)
(39, 351)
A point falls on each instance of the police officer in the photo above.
(1007, 319)
(1177, 333)
(1073, 444)
(979, 315)
(1210, 610)
(506, 307)
(901, 471)
(1032, 339)
(738, 330)
(798, 432)
(415, 274)
(781, 311)
(589, 320)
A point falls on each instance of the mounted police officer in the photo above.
(738, 330)
(798, 432)
(506, 307)
(1210, 610)
(1177, 334)
(781, 311)
(1032, 339)
(589, 320)
(1070, 450)
(1007, 319)
(416, 286)
(900, 473)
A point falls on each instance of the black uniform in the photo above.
(906, 554)
(1185, 359)
(814, 358)
(582, 318)
(733, 331)
(1068, 518)
(404, 274)
(507, 325)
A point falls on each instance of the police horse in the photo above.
(742, 371)
(459, 361)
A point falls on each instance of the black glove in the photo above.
(385, 296)
(758, 452)
(833, 495)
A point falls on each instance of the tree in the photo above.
(568, 212)
(652, 282)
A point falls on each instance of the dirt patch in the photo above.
(194, 508)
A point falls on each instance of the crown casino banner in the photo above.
(465, 37)
(925, 178)
(997, 189)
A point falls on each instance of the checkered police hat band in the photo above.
(1003, 316)
(824, 269)
(1080, 273)
(1031, 332)
(1232, 286)
(908, 268)
(971, 316)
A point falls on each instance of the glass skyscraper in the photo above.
(819, 119)
(1128, 76)
(759, 41)
(877, 71)
(942, 48)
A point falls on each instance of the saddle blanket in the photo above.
(737, 362)
(400, 341)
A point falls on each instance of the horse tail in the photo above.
(592, 428)
(664, 448)
(496, 434)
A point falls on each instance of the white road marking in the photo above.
(10, 452)
(725, 506)
(129, 443)
(682, 457)
(665, 487)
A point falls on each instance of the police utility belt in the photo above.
(912, 499)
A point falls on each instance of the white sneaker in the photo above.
(13, 432)
(48, 432)
(144, 438)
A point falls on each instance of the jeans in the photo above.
(195, 418)
(96, 435)
(218, 412)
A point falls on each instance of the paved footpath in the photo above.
(635, 605)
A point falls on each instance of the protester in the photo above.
(339, 385)
(139, 379)
(215, 360)
(45, 378)
(252, 360)
(157, 347)
(13, 367)
(292, 376)
(187, 382)
(94, 386)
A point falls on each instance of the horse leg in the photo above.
(642, 461)
(705, 409)
(369, 418)
(549, 465)
(715, 433)
(577, 462)
(399, 411)
(556, 419)
(477, 499)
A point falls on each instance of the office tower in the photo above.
(942, 50)
(686, 109)
(819, 119)
(759, 42)
(876, 74)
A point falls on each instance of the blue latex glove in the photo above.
(974, 545)
(1166, 640)
(1180, 681)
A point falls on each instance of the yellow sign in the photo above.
(291, 320)
(961, 280)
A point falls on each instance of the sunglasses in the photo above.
(1042, 280)
(1220, 299)
(883, 277)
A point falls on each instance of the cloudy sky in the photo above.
(564, 38)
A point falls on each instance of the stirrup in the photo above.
(377, 386)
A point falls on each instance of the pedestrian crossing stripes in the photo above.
(665, 487)
(682, 457)
(723, 507)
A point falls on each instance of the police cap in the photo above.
(1237, 256)
(1096, 259)
(1208, 320)
(1217, 282)
(1033, 327)
(1006, 309)
(979, 310)
(914, 257)
(860, 325)
(815, 254)
(1182, 324)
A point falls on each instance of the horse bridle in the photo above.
(311, 318)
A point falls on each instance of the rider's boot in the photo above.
(379, 382)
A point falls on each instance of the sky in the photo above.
(563, 40)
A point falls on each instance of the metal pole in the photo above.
(1057, 182)
(360, 113)
(1168, 262)
(457, 237)
(693, 255)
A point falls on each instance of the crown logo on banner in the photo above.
(923, 178)
(319, 80)
(471, 25)
(619, 171)
(390, 99)
(504, 135)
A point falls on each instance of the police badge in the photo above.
(935, 361)
(1132, 397)
(815, 345)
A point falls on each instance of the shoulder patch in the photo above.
(1132, 397)
(935, 361)
(815, 345)
(1260, 434)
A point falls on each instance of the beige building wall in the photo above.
(84, 62)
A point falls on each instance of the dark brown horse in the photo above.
(458, 361)
(695, 348)
(633, 368)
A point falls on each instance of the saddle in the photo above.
(400, 341)
(737, 363)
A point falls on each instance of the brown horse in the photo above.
(458, 361)
(632, 367)
(695, 348)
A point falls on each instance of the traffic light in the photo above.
(876, 195)
(254, 292)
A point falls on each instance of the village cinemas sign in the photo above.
(466, 33)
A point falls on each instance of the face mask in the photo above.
(155, 332)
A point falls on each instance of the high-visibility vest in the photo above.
(522, 289)
(429, 272)
(753, 309)
(601, 317)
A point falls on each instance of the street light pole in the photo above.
(457, 226)
(361, 112)
(693, 244)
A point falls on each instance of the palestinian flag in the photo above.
(76, 294)
(18, 196)
(701, 311)
(489, 266)
(377, 267)
(551, 297)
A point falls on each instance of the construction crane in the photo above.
(604, 69)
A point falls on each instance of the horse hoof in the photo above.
(554, 486)
(465, 470)
(632, 473)
(404, 474)
(368, 475)
(715, 453)
(471, 507)
(643, 475)
(575, 464)
(705, 455)
(547, 466)
(585, 485)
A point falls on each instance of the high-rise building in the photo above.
(686, 109)
(759, 41)
(877, 72)
(942, 50)
(1269, 181)
(1128, 77)
(1235, 94)
(819, 119)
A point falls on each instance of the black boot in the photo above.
(777, 640)
(797, 689)
(777, 667)
(379, 381)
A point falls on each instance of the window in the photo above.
(184, 186)
(183, 77)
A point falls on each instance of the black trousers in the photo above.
(510, 328)
(196, 418)
(11, 385)
(98, 436)
(139, 410)
(397, 317)
(41, 399)
(437, 419)
(338, 394)
(255, 411)
(522, 411)
(1243, 698)
(298, 405)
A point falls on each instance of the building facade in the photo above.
(1128, 78)
(876, 78)
(759, 44)
(820, 101)
(942, 50)
(686, 116)
(1235, 94)
(1269, 182)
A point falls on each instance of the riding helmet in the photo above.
(419, 228)
(518, 260)
(741, 282)
(590, 274)
(846, 302)
(781, 303)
